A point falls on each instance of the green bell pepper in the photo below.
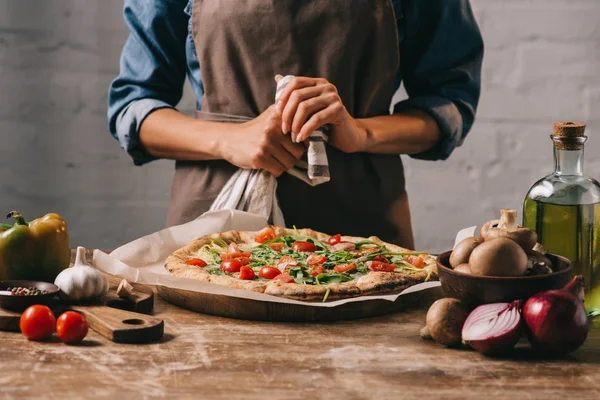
(37, 250)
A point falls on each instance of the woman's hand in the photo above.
(261, 144)
(306, 104)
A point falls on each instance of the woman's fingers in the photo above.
(295, 99)
(295, 149)
(317, 120)
(308, 108)
(297, 82)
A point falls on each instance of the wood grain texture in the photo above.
(122, 326)
(203, 356)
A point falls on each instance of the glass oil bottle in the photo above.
(564, 209)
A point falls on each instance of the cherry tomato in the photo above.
(379, 266)
(317, 270)
(415, 260)
(315, 259)
(247, 274)
(198, 262)
(300, 246)
(231, 266)
(284, 278)
(286, 262)
(233, 256)
(344, 267)
(37, 322)
(382, 259)
(269, 272)
(233, 248)
(277, 246)
(71, 327)
(265, 235)
(335, 239)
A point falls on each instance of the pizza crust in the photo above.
(370, 284)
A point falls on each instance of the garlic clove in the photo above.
(125, 289)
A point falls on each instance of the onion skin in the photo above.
(556, 322)
(497, 342)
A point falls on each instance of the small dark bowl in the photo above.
(20, 303)
(477, 289)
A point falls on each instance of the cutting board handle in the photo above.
(122, 326)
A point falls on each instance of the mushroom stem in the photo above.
(508, 219)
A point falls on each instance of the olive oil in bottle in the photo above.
(564, 209)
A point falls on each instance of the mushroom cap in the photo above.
(445, 319)
(463, 268)
(463, 250)
(525, 237)
(498, 257)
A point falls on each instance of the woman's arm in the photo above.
(152, 69)
(441, 52)
(142, 100)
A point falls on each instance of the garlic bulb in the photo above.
(82, 281)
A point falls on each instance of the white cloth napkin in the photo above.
(254, 190)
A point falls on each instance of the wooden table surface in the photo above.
(209, 357)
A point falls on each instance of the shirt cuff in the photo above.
(128, 126)
(449, 121)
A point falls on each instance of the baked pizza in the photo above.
(301, 264)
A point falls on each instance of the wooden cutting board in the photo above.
(117, 319)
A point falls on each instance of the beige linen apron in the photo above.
(241, 45)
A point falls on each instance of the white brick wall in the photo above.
(57, 58)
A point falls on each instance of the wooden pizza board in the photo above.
(117, 319)
(233, 307)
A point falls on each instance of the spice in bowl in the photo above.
(26, 291)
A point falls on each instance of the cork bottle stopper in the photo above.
(569, 135)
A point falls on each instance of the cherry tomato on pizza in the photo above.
(247, 274)
(231, 266)
(284, 278)
(382, 259)
(269, 272)
(71, 327)
(379, 266)
(265, 235)
(37, 322)
(277, 246)
(233, 256)
(344, 267)
(315, 259)
(417, 261)
(198, 262)
(317, 270)
(301, 246)
(335, 239)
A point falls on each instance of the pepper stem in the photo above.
(17, 217)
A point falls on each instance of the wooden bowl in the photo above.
(477, 289)
(19, 303)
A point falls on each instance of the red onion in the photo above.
(493, 328)
(556, 321)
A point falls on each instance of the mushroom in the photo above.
(445, 319)
(463, 250)
(463, 268)
(506, 227)
(538, 264)
(498, 257)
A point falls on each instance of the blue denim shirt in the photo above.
(441, 51)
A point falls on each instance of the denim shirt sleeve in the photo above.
(441, 52)
(152, 69)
